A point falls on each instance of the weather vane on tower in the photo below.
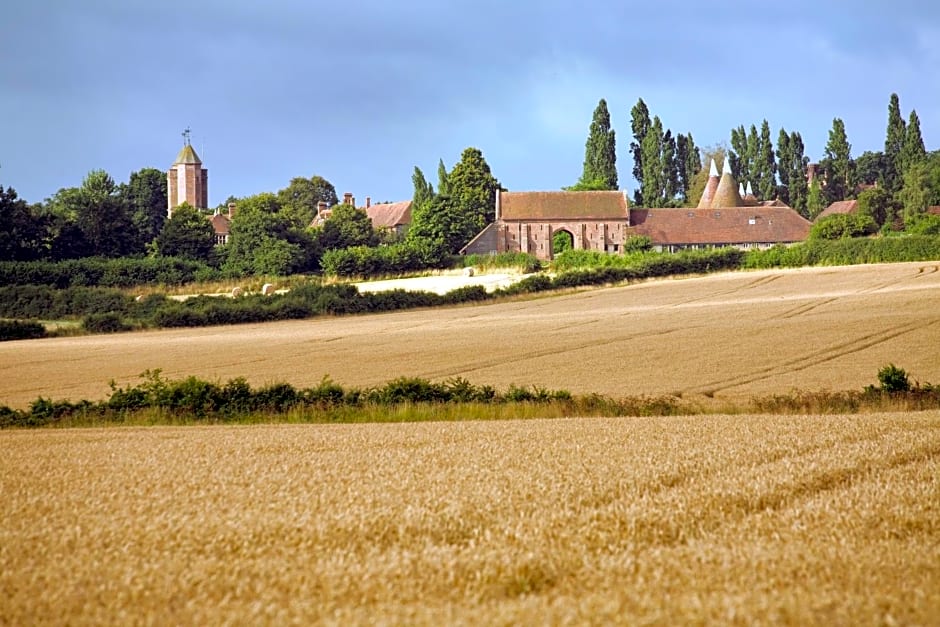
(186, 136)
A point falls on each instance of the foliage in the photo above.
(361, 261)
(688, 162)
(145, 197)
(42, 302)
(443, 221)
(640, 125)
(21, 233)
(21, 330)
(843, 225)
(846, 251)
(765, 185)
(913, 151)
(263, 241)
(600, 154)
(815, 200)
(187, 234)
(110, 322)
(298, 201)
(423, 191)
(877, 204)
(924, 224)
(893, 379)
(894, 145)
(123, 272)
(652, 187)
(474, 188)
(524, 262)
(594, 185)
(347, 226)
(562, 242)
(921, 187)
(840, 170)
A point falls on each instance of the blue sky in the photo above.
(361, 91)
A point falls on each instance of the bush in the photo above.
(893, 379)
(20, 330)
(843, 225)
(104, 323)
(102, 272)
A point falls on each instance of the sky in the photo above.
(362, 91)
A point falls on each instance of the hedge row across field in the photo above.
(102, 272)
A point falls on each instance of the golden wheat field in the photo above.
(726, 335)
(725, 520)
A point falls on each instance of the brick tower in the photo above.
(187, 181)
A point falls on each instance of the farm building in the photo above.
(603, 221)
(389, 216)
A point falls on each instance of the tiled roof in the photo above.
(725, 225)
(599, 205)
(389, 215)
(841, 206)
(727, 194)
(187, 155)
(221, 224)
(710, 188)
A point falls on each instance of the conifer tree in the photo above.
(423, 191)
(766, 166)
(689, 162)
(443, 187)
(784, 157)
(640, 125)
(751, 172)
(670, 169)
(600, 151)
(894, 145)
(913, 151)
(796, 175)
(738, 153)
(840, 181)
(652, 159)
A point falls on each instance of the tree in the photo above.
(187, 233)
(21, 232)
(347, 226)
(815, 202)
(871, 168)
(652, 158)
(894, 144)
(877, 204)
(423, 191)
(442, 222)
(145, 197)
(840, 177)
(843, 225)
(766, 166)
(600, 154)
(640, 124)
(298, 201)
(474, 188)
(738, 154)
(102, 216)
(913, 151)
(921, 187)
(784, 157)
(443, 187)
(670, 168)
(263, 241)
(796, 175)
(689, 162)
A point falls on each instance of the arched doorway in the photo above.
(562, 240)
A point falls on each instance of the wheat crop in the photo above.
(723, 520)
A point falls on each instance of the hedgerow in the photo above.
(21, 330)
(106, 272)
(848, 251)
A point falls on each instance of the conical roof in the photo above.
(187, 155)
(710, 187)
(727, 193)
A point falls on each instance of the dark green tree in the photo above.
(766, 184)
(423, 191)
(640, 124)
(188, 233)
(689, 162)
(144, 195)
(443, 187)
(103, 218)
(347, 226)
(670, 167)
(752, 171)
(442, 222)
(872, 168)
(840, 171)
(815, 201)
(652, 190)
(600, 150)
(473, 186)
(784, 159)
(797, 188)
(21, 232)
(877, 204)
(263, 241)
(913, 151)
(298, 201)
(894, 144)
(921, 188)
(738, 155)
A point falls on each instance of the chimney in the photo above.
(368, 201)
(348, 199)
(321, 207)
(231, 210)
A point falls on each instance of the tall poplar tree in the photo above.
(797, 188)
(443, 187)
(652, 160)
(766, 183)
(600, 151)
(784, 157)
(670, 169)
(753, 172)
(423, 191)
(913, 151)
(639, 124)
(689, 162)
(894, 145)
(840, 177)
(738, 153)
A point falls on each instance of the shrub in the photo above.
(893, 379)
(843, 225)
(104, 323)
(21, 330)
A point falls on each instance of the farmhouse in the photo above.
(388, 216)
(726, 215)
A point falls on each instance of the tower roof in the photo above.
(710, 187)
(727, 193)
(187, 155)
